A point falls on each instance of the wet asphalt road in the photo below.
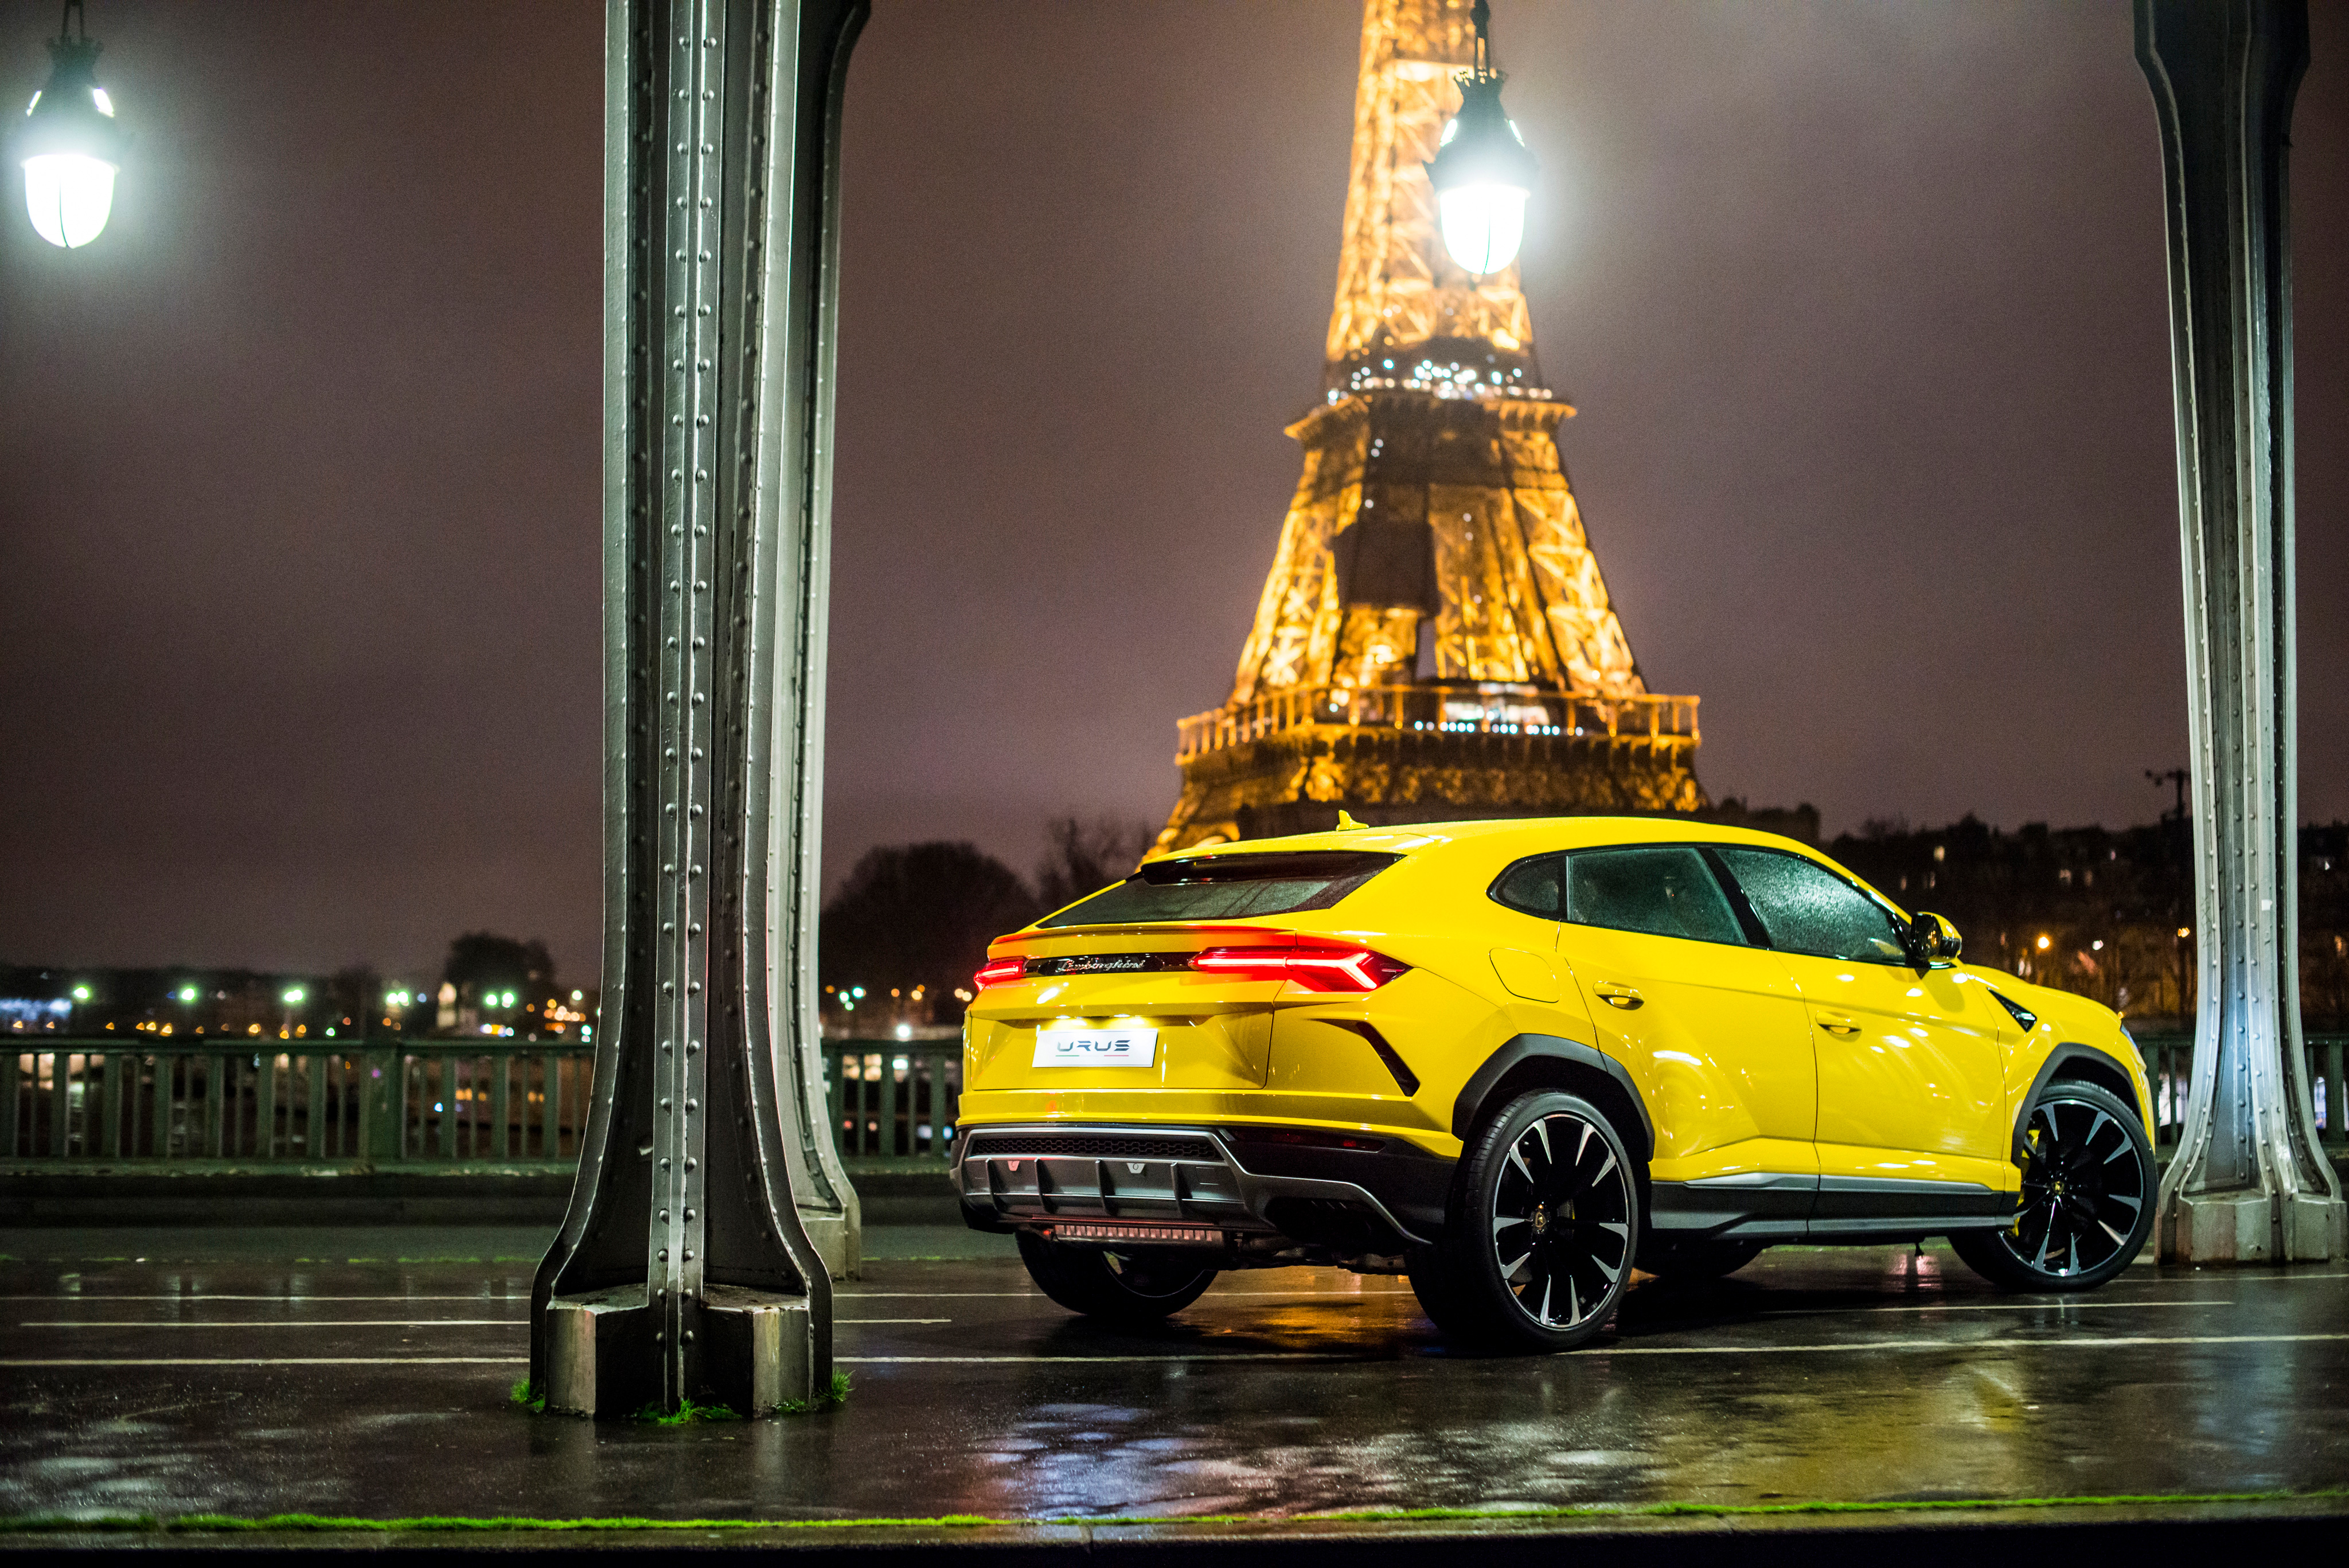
(247, 1384)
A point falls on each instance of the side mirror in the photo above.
(1933, 940)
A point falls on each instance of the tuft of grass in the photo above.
(686, 1414)
(523, 1394)
(834, 1396)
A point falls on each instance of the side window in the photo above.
(1808, 908)
(1666, 890)
(1531, 887)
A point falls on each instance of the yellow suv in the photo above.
(1515, 1059)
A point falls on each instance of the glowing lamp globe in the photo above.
(1482, 173)
(69, 148)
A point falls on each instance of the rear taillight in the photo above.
(1000, 971)
(1313, 967)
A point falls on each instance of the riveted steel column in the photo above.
(796, 474)
(683, 1270)
(2249, 1183)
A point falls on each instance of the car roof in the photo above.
(1527, 835)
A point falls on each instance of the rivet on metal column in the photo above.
(684, 1270)
(2249, 1183)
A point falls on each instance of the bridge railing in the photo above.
(510, 1103)
(893, 1099)
(2169, 1060)
(502, 1103)
(1457, 708)
(499, 1103)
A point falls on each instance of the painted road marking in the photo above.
(842, 1296)
(1985, 1306)
(393, 1321)
(304, 1323)
(275, 1361)
(69, 1297)
(2066, 1344)
(2135, 1341)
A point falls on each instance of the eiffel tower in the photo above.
(1434, 642)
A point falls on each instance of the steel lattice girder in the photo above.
(684, 1270)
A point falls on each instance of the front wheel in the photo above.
(1137, 1286)
(1538, 1251)
(2087, 1197)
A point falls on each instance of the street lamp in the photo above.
(69, 145)
(1482, 171)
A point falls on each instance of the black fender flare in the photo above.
(1526, 1048)
(2070, 1051)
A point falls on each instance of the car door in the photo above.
(1912, 1116)
(1711, 1027)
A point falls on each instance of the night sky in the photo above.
(1863, 305)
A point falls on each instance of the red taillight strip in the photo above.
(1314, 968)
(1000, 971)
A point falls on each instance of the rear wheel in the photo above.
(1134, 1286)
(1538, 1249)
(2087, 1197)
(1700, 1260)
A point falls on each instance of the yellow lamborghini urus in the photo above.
(1516, 1060)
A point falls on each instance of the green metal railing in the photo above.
(2169, 1058)
(501, 1103)
(893, 1099)
(507, 1104)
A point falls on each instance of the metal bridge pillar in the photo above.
(2250, 1183)
(710, 1212)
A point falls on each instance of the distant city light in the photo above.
(293, 996)
(578, 996)
(187, 993)
(905, 1032)
(82, 993)
(2042, 944)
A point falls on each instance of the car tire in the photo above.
(1140, 1285)
(1700, 1260)
(1536, 1252)
(2088, 1181)
(1433, 1282)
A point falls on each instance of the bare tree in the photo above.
(1083, 857)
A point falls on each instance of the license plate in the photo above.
(1096, 1047)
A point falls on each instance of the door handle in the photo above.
(1837, 1023)
(1623, 996)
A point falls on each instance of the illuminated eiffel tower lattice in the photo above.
(1434, 642)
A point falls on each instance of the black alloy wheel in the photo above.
(1538, 1249)
(2088, 1196)
(1135, 1286)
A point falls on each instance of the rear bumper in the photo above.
(1232, 1180)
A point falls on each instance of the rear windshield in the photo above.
(1227, 887)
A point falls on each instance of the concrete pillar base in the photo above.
(758, 1354)
(2249, 1226)
(587, 1340)
(835, 1240)
(760, 1357)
